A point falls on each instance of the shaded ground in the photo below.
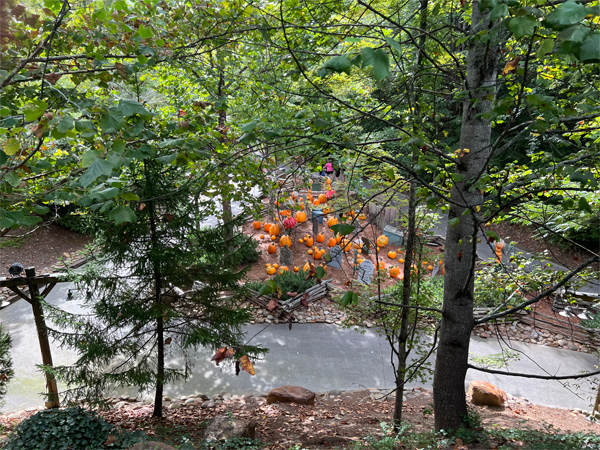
(40, 249)
(335, 421)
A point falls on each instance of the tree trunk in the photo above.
(225, 198)
(461, 239)
(406, 296)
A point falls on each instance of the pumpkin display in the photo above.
(276, 265)
(267, 226)
(309, 197)
(362, 217)
(301, 240)
(310, 252)
(271, 249)
(285, 240)
(256, 225)
(331, 222)
(382, 240)
(322, 198)
(271, 270)
(316, 203)
(309, 242)
(320, 238)
(381, 265)
(300, 216)
(430, 267)
(392, 254)
(296, 269)
(275, 230)
(262, 236)
(394, 271)
(401, 260)
(331, 242)
(317, 254)
(273, 238)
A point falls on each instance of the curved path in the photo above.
(316, 356)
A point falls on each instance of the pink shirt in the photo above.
(328, 167)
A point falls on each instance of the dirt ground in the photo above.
(42, 248)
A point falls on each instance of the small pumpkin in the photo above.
(306, 267)
(401, 260)
(296, 269)
(262, 236)
(392, 254)
(275, 230)
(331, 222)
(317, 254)
(310, 252)
(271, 270)
(256, 225)
(362, 217)
(267, 226)
(268, 265)
(394, 271)
(325, 210)
(285, 240)
(338, 239)
(347, 246)
(271, 248)
(309, 242)
(382, 240)
(301, 240)
(316, 203)
(381, 265)
(441, 263)
(430, 267)
(320, 238)
(331, 242)
(322, 198)
(276, 266)
(360, 260)
(273, 238)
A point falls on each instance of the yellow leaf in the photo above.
(247, 364)
(511, 66)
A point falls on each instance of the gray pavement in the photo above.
(316, 356)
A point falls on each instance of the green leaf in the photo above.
(35, 109)
(590, 49)
(320, 272)
(493, 234)
(346, 298)
(499, 11)
(319, 123)
(39, 209)
(454, 222)
(12, 179)
(349, 145)
(379, 60)
(267, 288)
(11, 146)
(112, 120)
(131, 107)
(545, 47)
(122, 214)
(432, 202)
(343, 229)
(568, 13)
(390, 173)
(129, 196)
(168, 159)
(523, 26)
(458, 177)
(250, 126)
(3, 157)
(67, 123)
(568, 204)
(584, 178)
(144, 32)
(584, 205)
(338, 64)
(98, 168)
(394, 44)
(172, 143)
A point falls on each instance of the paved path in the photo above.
(317, 356)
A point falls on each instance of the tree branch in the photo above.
(530, 375)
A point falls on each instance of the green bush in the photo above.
(245, 249)
(80, 222)
(594, 322)
(68, 429)
(6, 366)
(293, 282)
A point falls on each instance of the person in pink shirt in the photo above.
(329, 168)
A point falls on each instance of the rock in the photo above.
(223, 428)
(166, 399)
(294, 394)
(335, 392)
(151, 445)
(190, 401)
(483, 335)
(208, 404)
(66, 255)
(562, 342)
(174, 405)
(484, 393)
(132, 399)
(147, 402)
(202, 397)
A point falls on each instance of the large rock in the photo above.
(222, 428)
(484, 393)
(151, 445)
(293, 394)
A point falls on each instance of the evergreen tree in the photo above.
(6, 364)
(157, 284)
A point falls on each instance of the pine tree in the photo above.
(156, 285)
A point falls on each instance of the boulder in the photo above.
(223, 428)
(293, 394)
(151, 445)
(484, 393)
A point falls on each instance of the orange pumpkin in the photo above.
(360, 260)
(331, 242)
(310, 252)
(347, 246)
(285, 240)
(309, 242)
(271, 270)
(401, 261)
(309, 197)
(306, 267)
(276, 265)
(392, 254)
(317, 254)
(275, 230)
(325, 210)
(262, 236)
(394, 271)
(271, 248)
(331, 222)
(382, 240)
(267, 226)
(256, 225)
(322, 198)
(301, 240)
(320, 238)
(296, 269)
(273, 238)
(300, 217)
(338, 239)
(316, 203)
(429, 267)
(381, 265)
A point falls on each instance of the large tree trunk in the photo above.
(461, 239)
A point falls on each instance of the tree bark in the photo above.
(225, 198)
(461, 239)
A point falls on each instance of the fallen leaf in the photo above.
(291, 294)
(229, 353)
(142, 206)
(168, 341)
(273, 305)
(303, 301)
(121, 70)
(110, 440)
(220, 355)
(247, 364)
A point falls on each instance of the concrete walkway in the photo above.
(316, 356)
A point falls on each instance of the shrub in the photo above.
(293, 282)
(246, 249)
(71, 428)
(6, 367)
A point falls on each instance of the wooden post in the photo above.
(40, 324)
